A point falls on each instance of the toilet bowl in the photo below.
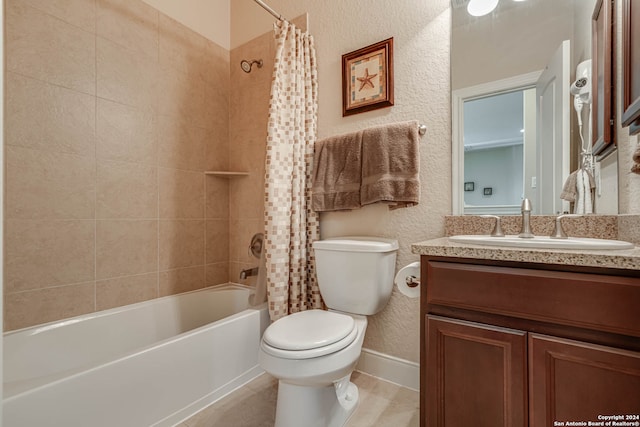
(313, 353)
(315, 390)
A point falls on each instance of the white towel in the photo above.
(584, 204)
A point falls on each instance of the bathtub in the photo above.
(153, 363)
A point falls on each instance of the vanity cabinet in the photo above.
(515, 344)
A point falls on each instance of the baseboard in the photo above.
(390, 368)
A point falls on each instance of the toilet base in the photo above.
(327, 406)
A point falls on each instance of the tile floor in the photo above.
(382, 404)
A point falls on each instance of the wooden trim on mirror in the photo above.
(602, 84)
(630, 66)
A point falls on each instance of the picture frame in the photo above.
(487, 191)
(367, 78)
(469, 186)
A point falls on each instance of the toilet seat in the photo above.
(308, 334)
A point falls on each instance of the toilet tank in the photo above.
(355, 274)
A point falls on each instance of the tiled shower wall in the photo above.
(113, 113)
(248, 114)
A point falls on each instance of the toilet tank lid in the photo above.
(357, 244)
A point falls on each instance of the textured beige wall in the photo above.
(113, 113)
(421, 31)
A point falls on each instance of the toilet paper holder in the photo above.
(412, 281)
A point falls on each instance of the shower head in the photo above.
(246, 65)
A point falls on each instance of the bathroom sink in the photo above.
(543, 242)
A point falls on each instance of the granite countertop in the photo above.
(628, 259)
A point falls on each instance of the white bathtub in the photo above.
(149, 364)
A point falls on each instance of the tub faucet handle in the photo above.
(497, 228)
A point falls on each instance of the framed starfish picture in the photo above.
(367, 78)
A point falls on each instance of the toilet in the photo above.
(313, 353)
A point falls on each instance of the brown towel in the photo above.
(391, 165)
(570, 190)
(337, 173)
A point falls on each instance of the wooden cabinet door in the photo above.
(476, 375)
(576, 381)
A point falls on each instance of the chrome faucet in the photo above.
(558, 231)
(497, 228)
(248, 272)
(525, 232)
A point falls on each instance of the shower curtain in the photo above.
(291, 225)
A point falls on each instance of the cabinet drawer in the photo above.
(591, 301)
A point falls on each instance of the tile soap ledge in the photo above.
(620, 259)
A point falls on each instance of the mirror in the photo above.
(498, 150)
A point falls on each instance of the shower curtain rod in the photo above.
(271, 11)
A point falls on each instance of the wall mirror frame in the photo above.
(603, 136)
(631, 66)
(458, 98)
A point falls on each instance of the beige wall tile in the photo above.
(48, 117)
(49, 185)
(41, 46)
(247, 200)
(217, 146)
(126, 247)
(181, 194)
(81, 13)
(217, 274)
(180, 47)
(45, 305)
(182, 95)
(126, 77)
(215, 105)
(216, 64)
(248, 154)
(47, 253)
(248, 111)
(126, 290)
(181, 280)
(181, 243)
(217, 197)
(217, 243)
(240, 234)
(132, 24)
(180, 145)
(126, 190)
(126, 133)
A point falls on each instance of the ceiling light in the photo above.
(481, 7)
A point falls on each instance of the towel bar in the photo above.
(422, 129)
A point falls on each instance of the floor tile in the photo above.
(382, 404)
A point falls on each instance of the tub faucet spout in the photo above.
(248, 272)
